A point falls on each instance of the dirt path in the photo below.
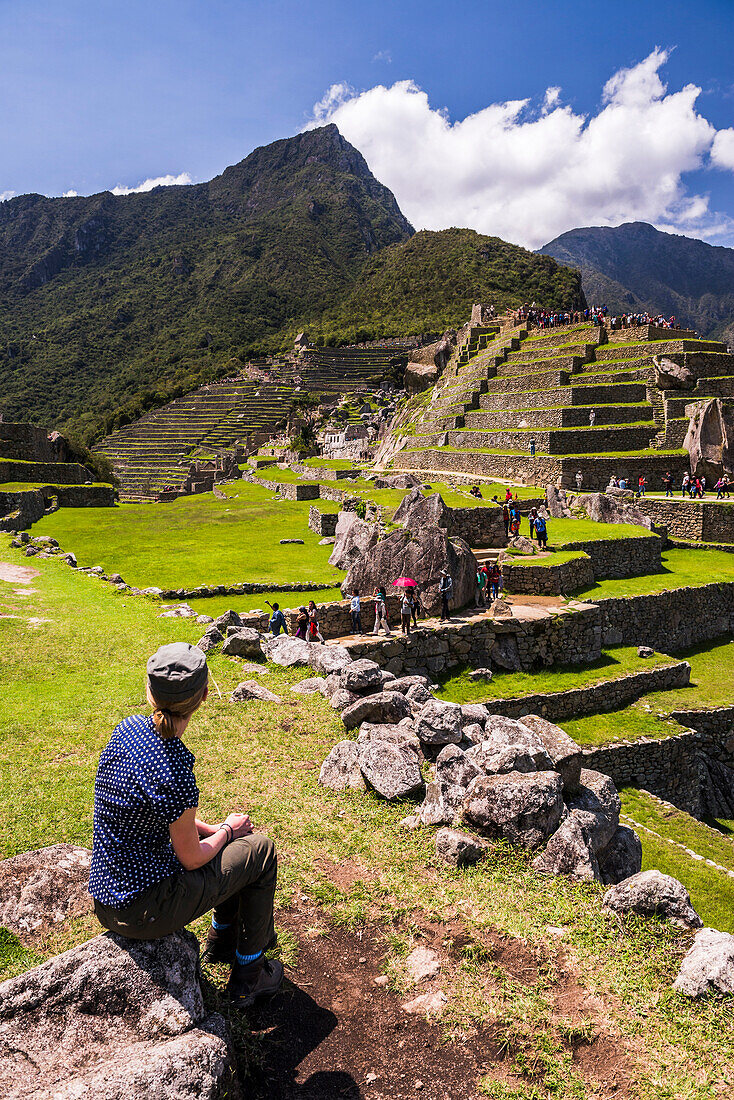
(17, 574)
(333, 1032)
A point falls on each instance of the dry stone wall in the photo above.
(669, 620)
(669, 768)
(25, 442)
(322, 523)
(53, 473)
(548, 580)
(595, 698)
(696, 520)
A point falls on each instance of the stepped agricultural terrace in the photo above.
(156, 453)
(539, 406)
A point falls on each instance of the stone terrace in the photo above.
(155, 453)
(498, 397)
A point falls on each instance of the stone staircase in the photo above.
(541, 406)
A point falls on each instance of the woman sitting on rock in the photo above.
(155, 865)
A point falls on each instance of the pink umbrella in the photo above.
(406, 582)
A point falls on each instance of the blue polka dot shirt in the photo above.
(143, 783)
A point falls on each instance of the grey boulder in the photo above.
(564, 753)
(390, 770)
(362, 676)
(569, 851)
(287, 651)
(708, 966)
(242, 641)
(458, 848)
(433, 810)
(340, 771)
(622, 856)
(509, 746)
(327, 659)
(401, 735)
(251, 689)
(651, 893)
(385, 706)
(341, 699)
(227, 618)
(310, 686)
(438, 723)
(42, 887)
(523, 808)
(597, 796)
(454, 772)
(114, 1018)
(473, 714)
(417, 694)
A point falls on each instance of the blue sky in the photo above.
(99, 94)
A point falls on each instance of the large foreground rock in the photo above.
(597, 797)
(622, 857)
(114, 1019)
(509, 746)
(439, 723)
(287, 651)
(383, 707)
(242, 641)
(564, 753)
(340, 771)
(650, 893)
(569, 851)
(421, 555)
(709, 965)
(390, 769)
(458, 848)
(525, 809)
(43, 887)
(416, 511)
(608, 508)
(327, 658)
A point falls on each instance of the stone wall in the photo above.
(596, 698)
(570, 637)
(322, 523)
(548, 580)
(696, 520)
(670, 620)
(81, 496)
(19, 511)
(668, 768)
(480, 527)
(26, 442)
(625, 557)
(52, 473)
(543, 469)
(325, 473)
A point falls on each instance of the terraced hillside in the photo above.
(156, 452)
(536, 407)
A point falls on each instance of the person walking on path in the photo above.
(405, 613)
(506, 519)
(685, 485)
(592, 418)
(641, 485)
(579, 481)
(277, 620)
(446, 587)
(356, 612)
(156, 866)
(380, 598)
(314, 634)
(495, 578)
(531, 521)
(415, 603)
(481, 591)
(541, 530)
(302, 624)
(668, 483)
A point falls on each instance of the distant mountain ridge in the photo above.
(634, 266)
(111, 305)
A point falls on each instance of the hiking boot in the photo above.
(249, 983)
(220, 946)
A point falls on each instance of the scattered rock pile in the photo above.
(521, 781)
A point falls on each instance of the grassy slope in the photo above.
(680, 568)
(197, 540)
(613, 664)
(64, 696)
(712, 668)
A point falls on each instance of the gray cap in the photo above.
(176, 671)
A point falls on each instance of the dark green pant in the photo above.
(238, 884)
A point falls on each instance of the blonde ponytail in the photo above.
(170, 720)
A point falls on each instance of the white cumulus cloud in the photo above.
(5, 195)
(148, 185)
(70, 195)
(527, 172)
(722, 151)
